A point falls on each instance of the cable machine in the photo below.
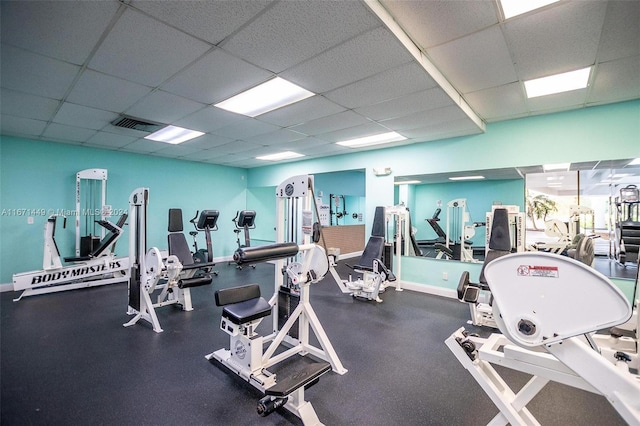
(91, 201)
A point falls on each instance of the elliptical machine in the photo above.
(206, 222)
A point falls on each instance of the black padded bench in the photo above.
(304, 376)
(109, 238)
(242, 304)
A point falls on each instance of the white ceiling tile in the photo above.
(62, 132)
(20, 126)
(424, 118)
(315, 149)
(330, 123)
(180, 150)
(502, 101)
(148, 51)
(238, 147)
(85, 117)
(360, 57)
(389, 84)
(203, 156)
(301, 112)
(35, 74)
(163, 107)
(106, 92)
(293, 31)
(559, 39)
(27, 106)
(245, 129)
(616, 80)
(475, 62)
(207, 141)
(66, 30)
(143, 146)
(621, 31)
(210, 118)
(212, 21)
(274, 138)
(406, 105)
(216, 77)
(431, 23)
(109, 140)
(123, 131)
(443, 130)
(354, 132)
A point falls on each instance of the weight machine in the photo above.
(543, 336)
(205, 221)
(91, 201)
(172, 276)
(570, 239)
(459, 233)
(299, 263)
(626, 245)
(99, 267)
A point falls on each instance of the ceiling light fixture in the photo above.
(555, 167)
(174, 135)
(558, 83)
(265, 97)
(372, 140)
(635, 162)
(511, 8)
(476, 177)
(286, 155)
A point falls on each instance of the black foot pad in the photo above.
(300, 377)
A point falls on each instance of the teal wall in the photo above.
(479, 195)
(41, 175)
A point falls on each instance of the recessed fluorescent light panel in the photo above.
(476, 177)
(173, 135)
(635, 162)
(557, 166)
(265, 97)
(286, 155)
(558, 83)
(511, 8)
(372, 140)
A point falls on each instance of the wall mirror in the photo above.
(579, 198)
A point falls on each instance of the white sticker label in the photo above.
(538, 271)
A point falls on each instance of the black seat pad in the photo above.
(247, 311)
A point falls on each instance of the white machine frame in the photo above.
(542, 337)
(150, 268)
(55, 277)
(466, 232)
(294, 197)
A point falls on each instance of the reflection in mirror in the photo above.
(588, 192)
(587, 201)
(449, 211)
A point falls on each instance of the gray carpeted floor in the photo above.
(67, 360)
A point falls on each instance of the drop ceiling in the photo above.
(428, 70)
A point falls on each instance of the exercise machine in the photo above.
(547, 306)
(299, 263)
(623, 341)
(374, 271)
(478, 295)
(627, 225)
(459, 232)
(168, 279)
(516, 221)
(205, 222)
(570, 240)
(99, 267)
(244, 221)
(91, 201)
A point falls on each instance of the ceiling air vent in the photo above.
(136, 124)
